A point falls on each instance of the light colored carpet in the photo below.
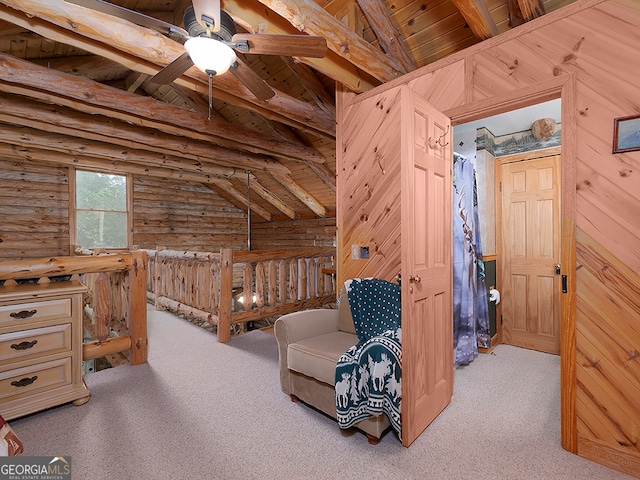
(204, 410)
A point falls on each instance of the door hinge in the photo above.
(501, 320)
(500, 186)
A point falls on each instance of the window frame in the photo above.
(73, 246)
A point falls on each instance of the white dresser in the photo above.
(41, 337)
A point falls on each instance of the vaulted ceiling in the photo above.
(76, 89)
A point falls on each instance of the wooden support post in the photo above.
(302, 269)
(101, 316)
(293, 280)
(260, 284)
(282, 281)
(226, 287)
(138, 307)
(273, 282)
(247, 289)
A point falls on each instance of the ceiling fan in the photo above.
(210, 42)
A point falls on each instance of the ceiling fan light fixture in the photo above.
(210, 55)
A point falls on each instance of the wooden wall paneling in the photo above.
(586, 51)
(445, 87)
(608, 342)
(369, 189)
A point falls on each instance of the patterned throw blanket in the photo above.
(368, 375)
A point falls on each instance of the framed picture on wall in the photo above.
(626, 134)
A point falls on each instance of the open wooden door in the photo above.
(427, 322)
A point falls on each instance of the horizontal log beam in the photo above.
(257, 18)
(53, 266)
(280, 254)
(109, 346)
(24, 78)
(258, 313)
(182, 309)
(65, 121)
(311, 18)
(146, 52)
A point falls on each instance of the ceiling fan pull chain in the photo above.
(210, 94)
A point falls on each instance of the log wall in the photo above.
(320, 232)
(185, 216)
(34, 210)
(593, 47)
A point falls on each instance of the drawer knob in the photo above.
(24, 382)
(23, 314)
(24, 345)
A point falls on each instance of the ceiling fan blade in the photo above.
(141, 19)
(208, 13)
(252, 80)
(287, 45)
(172, 71)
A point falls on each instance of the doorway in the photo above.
(502, 148)
(530, 242)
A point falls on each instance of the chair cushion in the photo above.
(317, 356)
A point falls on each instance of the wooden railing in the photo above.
(123, 299)
(231, 288)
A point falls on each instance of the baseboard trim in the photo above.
(609, 456)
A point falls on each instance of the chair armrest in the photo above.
(293, 327)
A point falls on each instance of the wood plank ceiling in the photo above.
(75, 89)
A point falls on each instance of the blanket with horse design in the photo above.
(368, 375)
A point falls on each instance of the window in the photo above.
(101, 210)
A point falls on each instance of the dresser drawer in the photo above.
(35, 342)
(35, 378)
(27, 312)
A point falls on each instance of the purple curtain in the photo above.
(470, 303)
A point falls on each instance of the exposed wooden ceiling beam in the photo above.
(477, 15)
(312, 85)
(53, 118)
(303, 196)
(19, 76)
(387, 34)
(31, 137)
(220, 187)
(257, 18)
(324, 173)
(531, 9)
(146, 51)
(311, 18)
(270, 197)
(70, 144)
(87, 66)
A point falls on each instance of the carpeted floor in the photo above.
(204, 410)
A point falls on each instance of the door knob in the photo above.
(557, 267)
(414, 279)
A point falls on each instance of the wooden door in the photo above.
(531, 238)
(427, 321)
